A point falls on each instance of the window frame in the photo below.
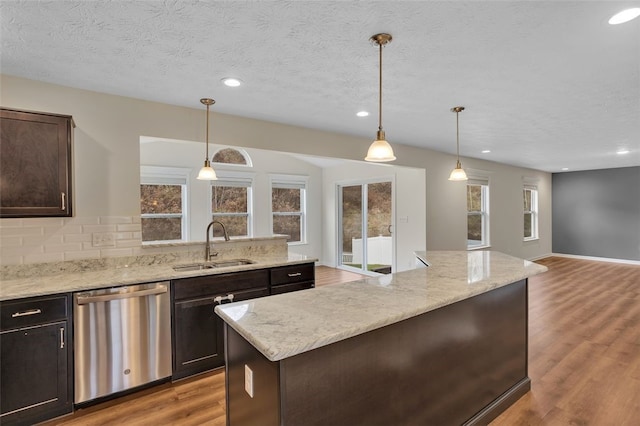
(157, 175)
(237, 179)
(483, 213)
(533, 212)
(291, 182)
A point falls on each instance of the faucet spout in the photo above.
(207, 249)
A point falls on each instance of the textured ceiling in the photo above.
(546, 84)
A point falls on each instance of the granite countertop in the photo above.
(285, 325)
(127, 275)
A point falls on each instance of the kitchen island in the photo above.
(446, 344)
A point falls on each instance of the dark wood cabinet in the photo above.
(197, 331)
(35, 164)
(35, 362)
(285, 279)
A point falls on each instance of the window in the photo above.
(163, 204)
(530, 194)
(477, 213)
(236, 156)
(231, 205)
(288, 206)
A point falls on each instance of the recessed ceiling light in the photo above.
(622, 151)
(231, 82)
(625, 16)
(486, 151)
(362, 114)
(564, 169)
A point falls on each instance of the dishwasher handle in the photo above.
(83, 300)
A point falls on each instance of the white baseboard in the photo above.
(599, 259)
(541, 257)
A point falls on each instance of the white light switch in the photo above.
(103, 239)
(248, 380)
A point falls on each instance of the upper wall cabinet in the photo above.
(35, 164)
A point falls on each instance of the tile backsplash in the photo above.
(40, 240)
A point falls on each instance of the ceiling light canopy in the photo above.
(380, 150)
(625, 16)
(622, 151)
(362, 113)
(207, 172)
(458, 174)
(231, 82)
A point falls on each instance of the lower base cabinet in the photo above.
(35, 373)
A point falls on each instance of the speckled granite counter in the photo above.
(286, 325)
(127, 275)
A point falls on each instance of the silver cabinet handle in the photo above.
(84, 299)
(297, 274)
(64, 201)
(26, 313)
(61, 338)
(220, 299)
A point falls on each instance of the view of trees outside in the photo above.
(474, 213)
(230, 206)
(229, 156)
(378, 215)
(165, 202)
(528, 215)
(287, 212)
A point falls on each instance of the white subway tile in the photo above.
(20, 251)
(10, 223)
(129, 228)
(61, 248)
(38, 241)
(99, 228)
(44, 257)
(72, 229)
(21, 231)
(77, 238)
(115, 252)
(84, 220)
(136, 219)
(111, 220)
(84, 254)
(127, 243)
(123, 235)
(11, 260)
(10, 241)
(56, 222)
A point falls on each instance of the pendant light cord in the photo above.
(207, 135)
(380, 91)
(457, 137)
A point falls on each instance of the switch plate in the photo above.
(248, 380)
(103, 239)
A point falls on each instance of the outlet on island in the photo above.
(103, 239)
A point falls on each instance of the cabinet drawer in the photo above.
(26, 312)
(187, 288)
(286, 288)
(292, 274)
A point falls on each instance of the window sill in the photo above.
(531, 239)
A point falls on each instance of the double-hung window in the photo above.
(477, 213)
(163, 201)
(530, 195)
(231, 205)
(288, 207)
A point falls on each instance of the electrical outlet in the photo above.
(103, 239)
(248, 380)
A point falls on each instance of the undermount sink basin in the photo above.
(211, 265)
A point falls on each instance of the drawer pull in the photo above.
(297, 274)
(221, 299)
(26, 313)
(64, 201)
(61, 338)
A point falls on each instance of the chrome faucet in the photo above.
(207, 249)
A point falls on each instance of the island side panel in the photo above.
(442, 367)
(263, 409)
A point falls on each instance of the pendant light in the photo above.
(207, 172)
(458, 173)
(380, 150)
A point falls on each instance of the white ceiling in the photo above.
(546, 84)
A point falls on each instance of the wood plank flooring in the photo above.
(584, 358)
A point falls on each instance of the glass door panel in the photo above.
(379, 242)
(351, 226)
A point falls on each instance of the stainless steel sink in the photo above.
(211, 265)
(232, 262)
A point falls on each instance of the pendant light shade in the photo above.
(380, 150)
(207, 172)
(458, 174)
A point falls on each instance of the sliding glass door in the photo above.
(365, 221)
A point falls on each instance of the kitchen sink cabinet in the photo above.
(197, 331)
(35, 164)
(36, 372)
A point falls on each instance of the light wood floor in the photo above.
(584, 358)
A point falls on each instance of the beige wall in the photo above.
(106, 160)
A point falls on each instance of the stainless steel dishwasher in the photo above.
(122, 338)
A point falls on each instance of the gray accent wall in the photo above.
(597, 213)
